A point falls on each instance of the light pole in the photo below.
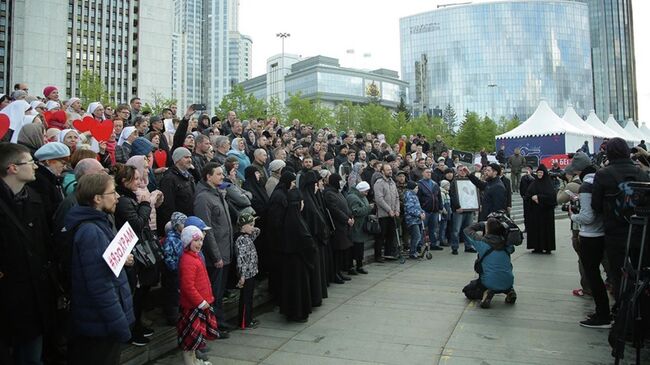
(283, 36)
(491, 86)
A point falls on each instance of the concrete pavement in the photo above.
(415, 313)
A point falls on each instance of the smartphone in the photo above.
(197, 107)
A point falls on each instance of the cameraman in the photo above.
(493, 264)
(572, 172)
(591, 242)
(604, 194)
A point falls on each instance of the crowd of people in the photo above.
(218, 205)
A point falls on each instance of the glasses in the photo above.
(114, 192)
(30, 162)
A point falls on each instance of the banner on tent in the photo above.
(463, 156)
(536, 150)
(562, 159)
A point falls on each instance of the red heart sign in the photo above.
(85, 124)
(55, 119)
(102, 131)
(160, 156)
(4, 125)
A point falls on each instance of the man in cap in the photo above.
(177, 186)
(295, 159)
(494, 193)
(52, 160)
(23, 258)
(276, 167)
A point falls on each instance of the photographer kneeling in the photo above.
(493, 264)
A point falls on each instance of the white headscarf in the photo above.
(64, 133)
(27, 119)
(126, 133)
(92, 106)
(15, 111)
(69, 103)
(35, 104)
(51, 105)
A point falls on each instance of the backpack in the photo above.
(513, 235)
(626, 198)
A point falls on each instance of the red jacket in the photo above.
(193, 281)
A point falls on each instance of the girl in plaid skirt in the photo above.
(197, 321)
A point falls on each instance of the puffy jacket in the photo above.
(360, 209)
(101, 304)
(493, 198)
(386, 197)
(179, 196)
(429, 196)
(193, 281)
(605, 189)
(591, 224)
(412, 209)
(210, 205)
(497, 267)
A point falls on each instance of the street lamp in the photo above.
(492, 98)
(283, 36)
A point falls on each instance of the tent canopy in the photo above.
(620, 132)
(543, 122)
(594, 121)
(633, 130)
(645, 131)
(575, 120)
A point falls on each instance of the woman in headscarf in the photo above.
(16, 112)
(38, 107)
(297, 265)
(52, 106)
(32, 136)
(278, 205)
(319, 226)
(542, 198)
(74, 108)
(260, 203)
(143, 165)
(96, 110)
(123, 148)
(238, 149)
(70, 138)
(342, 219)
(355, 175)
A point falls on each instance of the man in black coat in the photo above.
(177, 186)
(508, 186)
(494, 193)
(23, 259)
(604, 196)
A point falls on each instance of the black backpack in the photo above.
(513, 235)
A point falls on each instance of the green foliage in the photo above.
(402, 108)
(376, 118)
(92, 89)
(309, 111)
(246, 105)
(276, 109)
(449, 117)
(347, 116)
(506, 125)
(159, 102)
(468, 137)
(488, 130)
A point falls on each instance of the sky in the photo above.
(365, 33)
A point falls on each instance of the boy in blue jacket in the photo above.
(413, 215)
(493, 264)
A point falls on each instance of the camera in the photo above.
(640, 197)
(574, 204)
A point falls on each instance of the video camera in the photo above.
(513, 234)
(640, 197)
(573, 203)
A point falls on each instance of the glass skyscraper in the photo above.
(499, 59)
(612, 52)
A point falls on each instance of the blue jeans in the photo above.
(415, 231)
(442, 232)
(431, 224)
(459, 222)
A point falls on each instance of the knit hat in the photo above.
(411, 184)
(363, 186)
(390, 158)
(155, 119)
(244, 219)
(277, 165)
(52, 151)
(441, 159)
(189, 234)
(617, 148)
(48, 90)
(141, 147)
(178, 218)
(334, 180)
(445, 184)
(496, 167)
(579, 162)
(179, 153)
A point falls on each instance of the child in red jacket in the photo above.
(198, 321)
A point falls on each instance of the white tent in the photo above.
(633, 130)
(645, 130)
(594, 121)
(620, 132)
(571, 117)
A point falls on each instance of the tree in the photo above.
(468, 137)
(158, 103)
(92, 89)
(309, 111)
(276, 109)
(375, 117)
(347, 116)
(449, 117)
(506, 125)
(247, 106)
(488, 130)
(402, 108)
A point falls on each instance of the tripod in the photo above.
(634, 284)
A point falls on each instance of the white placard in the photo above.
(118, 251)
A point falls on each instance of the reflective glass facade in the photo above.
(499, 59)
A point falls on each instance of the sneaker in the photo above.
(146, 331)
(454, 251)
(352, 272)
(511, 297)
(361, 270)
(139, 341)
(201, 355)
(470, 250)
(487, 298)
(596, 322)
(595, 315)
(254, 324)
(222, 335)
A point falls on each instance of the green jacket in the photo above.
(360, 208)
(517, 163)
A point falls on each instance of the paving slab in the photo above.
(415, 313)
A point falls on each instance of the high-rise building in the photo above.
(498, 58)
(612, 54)
(208, 51)
(121, 41)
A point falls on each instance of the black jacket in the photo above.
(24, 284)
(48, 186)
(179, 197)
(605, 188)
(493, 197)
(340, 213)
